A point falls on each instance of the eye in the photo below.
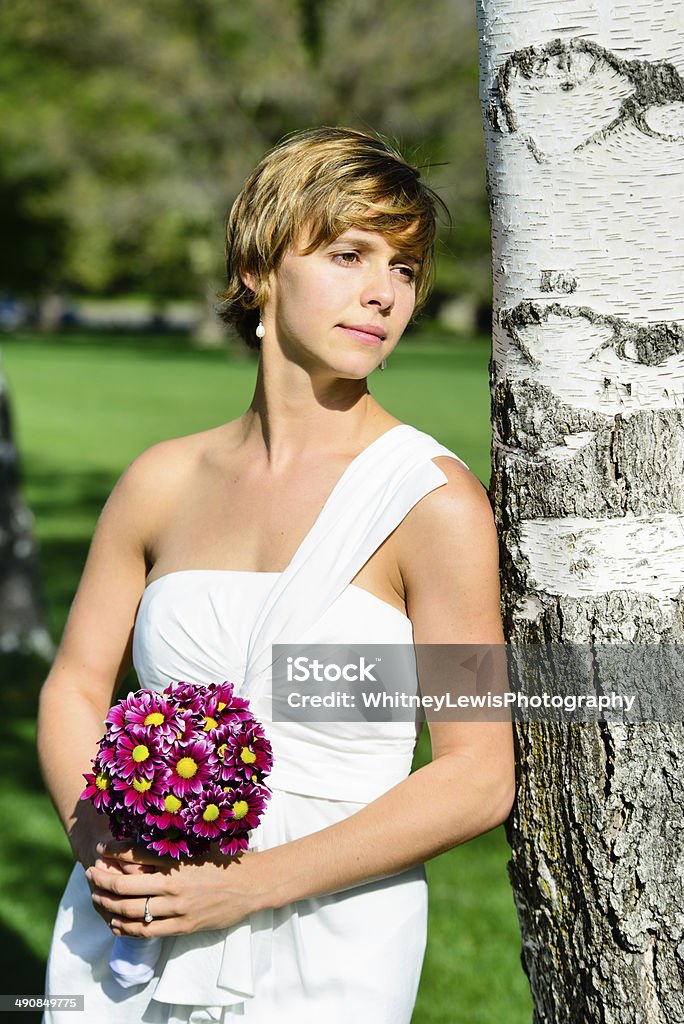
(406, 271)
(346, 259)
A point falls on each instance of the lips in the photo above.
(367, 334)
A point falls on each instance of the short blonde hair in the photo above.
(324, 180)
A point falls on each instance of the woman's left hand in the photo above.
(184, 896)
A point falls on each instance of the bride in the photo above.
(314, 517)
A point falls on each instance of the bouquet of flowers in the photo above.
(175, 772)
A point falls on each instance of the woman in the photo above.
(314, 517)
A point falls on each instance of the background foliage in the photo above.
(127, 129)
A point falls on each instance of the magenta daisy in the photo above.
(106, 756)
(138, 753)
(117, 719)
(156, 714)
(140, 794)
(98, 789)
(225, 705)
(209, 815)
(247, 803)
(190, 725)
(231, 846)
(209, 720)
(169, 845)
(191, 767)
(245, 754)
(186, 696)
(223, 692)
(169, 815)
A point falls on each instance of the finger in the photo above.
(123, 867)
(118, 884)
(136, 869)
(120, 907)
(128, 854)
(157, 929)
(104, 864)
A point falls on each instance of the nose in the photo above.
(378, 290)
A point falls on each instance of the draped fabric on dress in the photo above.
(355, 954)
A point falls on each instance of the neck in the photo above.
(310, 413)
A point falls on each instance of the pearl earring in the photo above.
(260, 330)
(383, 364)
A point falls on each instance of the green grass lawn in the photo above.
(82, 411)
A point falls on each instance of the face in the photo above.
(343, 306)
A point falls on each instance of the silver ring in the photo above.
(148, 917)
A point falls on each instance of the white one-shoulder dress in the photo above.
(354, 955)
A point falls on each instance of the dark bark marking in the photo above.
(652, 344)
(557, 281)
(654, 84)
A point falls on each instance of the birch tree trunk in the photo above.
(21, 607)
(583, 108)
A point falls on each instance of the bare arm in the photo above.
(95, 651)
(450, 569)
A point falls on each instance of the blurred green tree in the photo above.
(128, 129)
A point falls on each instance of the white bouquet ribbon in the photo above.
(133, 960)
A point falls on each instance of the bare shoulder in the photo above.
(156, 478)
(96, 646)
(462, 489)
(159, 463)
(448, 553)
(456, 511)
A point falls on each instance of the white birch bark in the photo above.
(21, 609)
(583, 106)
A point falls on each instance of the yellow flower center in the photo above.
(221, 751)
(155, 718)
(240, 808)
(221, 705)
(140, 753)
(247, 756)
(210, 813)
(172, 803)
(142, 785)
(101, 781)
(209, 723)
(186, 767)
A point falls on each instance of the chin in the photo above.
(353, 370)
